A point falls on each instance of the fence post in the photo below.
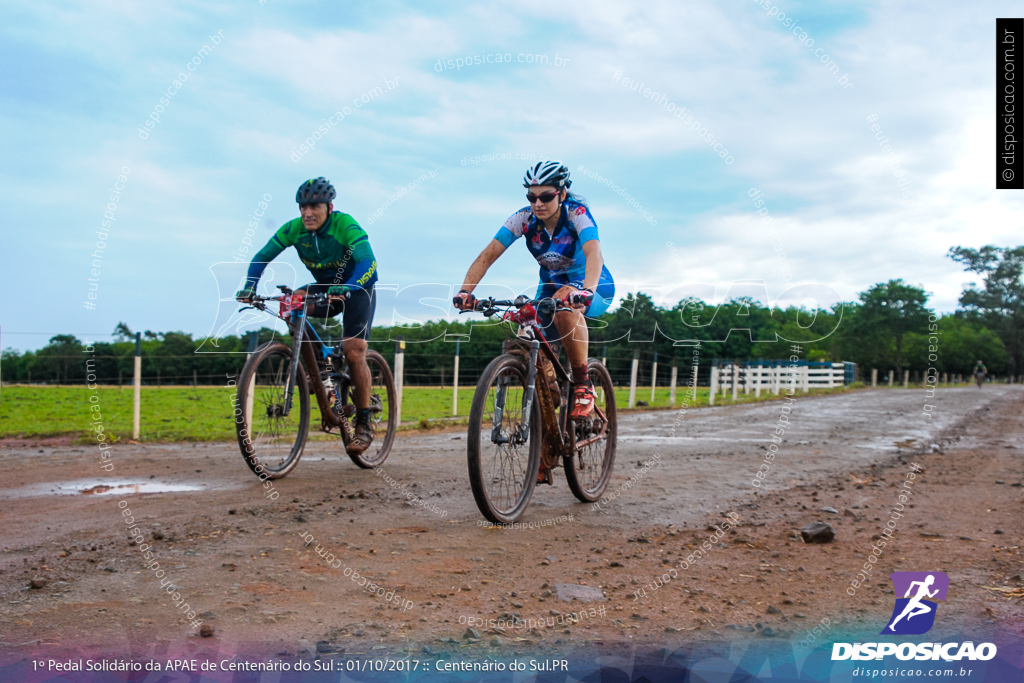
(654, 376)
(195, 379)
(632, 378)
(734, 377)
(137, 403)
(713, 387)
(906, 378)
(874, 377)
(672, 383)
(455, 382)
(757, 379)
(807, 378)
(399, 377)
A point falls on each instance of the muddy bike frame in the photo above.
(313, 352)
(526, 316)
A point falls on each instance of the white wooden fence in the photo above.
(773, 377)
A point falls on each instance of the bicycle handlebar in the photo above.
(490, 304)
(319, 297)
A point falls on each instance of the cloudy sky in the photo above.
(81, 79)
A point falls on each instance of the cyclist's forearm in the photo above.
(481, 265)
(268, 253)
(475, 274)
(364, 273)
(256, 269)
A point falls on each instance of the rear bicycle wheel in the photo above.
(592, 441)
(383, 407)
(271, 442)
(503, 460)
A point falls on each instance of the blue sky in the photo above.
(79, 79)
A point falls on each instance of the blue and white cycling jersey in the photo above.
(560, 255)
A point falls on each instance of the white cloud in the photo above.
(924, 69)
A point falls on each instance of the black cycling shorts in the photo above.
(358, 310)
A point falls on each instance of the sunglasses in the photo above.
(544, 198)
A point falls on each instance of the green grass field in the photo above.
(204, 414)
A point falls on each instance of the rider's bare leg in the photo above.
(572, 327)
(355, 352)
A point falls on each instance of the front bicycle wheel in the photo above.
(592, 441)
(383, 407)
(271, 441)
(503, 457)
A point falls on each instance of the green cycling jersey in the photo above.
(338, 252)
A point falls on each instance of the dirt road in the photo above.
(241, 560)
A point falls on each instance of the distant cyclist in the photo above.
(561, 234)
(337, 252)
(980, 371)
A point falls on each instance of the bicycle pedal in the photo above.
(545, 477)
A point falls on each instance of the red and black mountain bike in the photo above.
(273, 407)
(521, 414)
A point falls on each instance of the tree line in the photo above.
(889, 327)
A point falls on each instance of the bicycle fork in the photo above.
(499, 402)
(293, 369)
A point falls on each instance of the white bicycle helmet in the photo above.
(548, 173)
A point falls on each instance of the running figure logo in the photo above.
(914, 614)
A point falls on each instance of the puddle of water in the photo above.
(94, 488)
(126, 487)
(644, 437)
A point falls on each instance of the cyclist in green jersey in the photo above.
(980, 371)
(337, 252)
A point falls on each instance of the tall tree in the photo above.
(123, 333)
(63, 357)
(890, 310)
(1000, 302)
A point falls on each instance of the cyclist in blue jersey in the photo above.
(561, 234)
(337, 252)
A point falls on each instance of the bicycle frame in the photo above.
(526, 316)
(293, 313)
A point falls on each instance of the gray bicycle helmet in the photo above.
(548, 173)
(315, 191)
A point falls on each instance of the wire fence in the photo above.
(421, 369)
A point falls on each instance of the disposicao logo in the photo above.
(914, 614)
